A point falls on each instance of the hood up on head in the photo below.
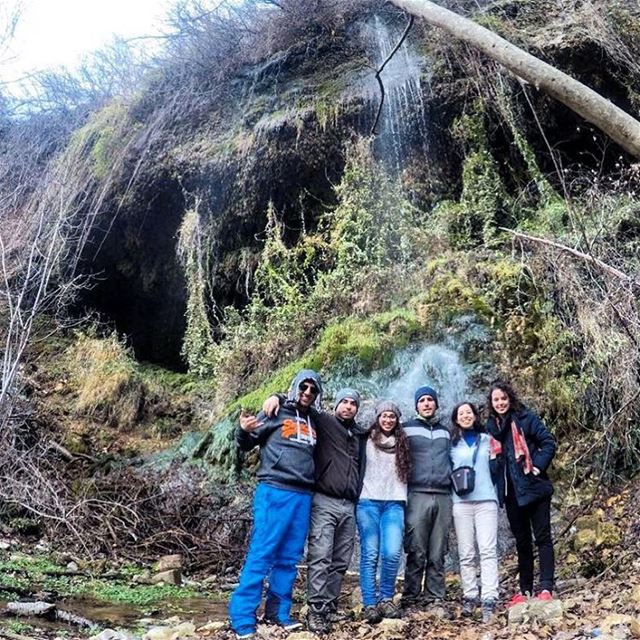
(302, 376)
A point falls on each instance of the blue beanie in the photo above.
(425, 391)
(346, 393)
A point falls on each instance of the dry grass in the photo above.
(106, 381)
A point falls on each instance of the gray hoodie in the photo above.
(286, 441)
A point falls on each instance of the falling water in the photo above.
(403, 121)
(437, 365)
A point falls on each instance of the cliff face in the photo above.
(275, 132)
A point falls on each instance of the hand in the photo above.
(536, 471)
(271, 406)
(248, 422)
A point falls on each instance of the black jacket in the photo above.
(339, 456)
(542, 447)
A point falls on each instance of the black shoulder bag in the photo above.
(463, 479)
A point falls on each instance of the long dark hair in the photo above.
(515, 403)
(457, 430)
(403, 458)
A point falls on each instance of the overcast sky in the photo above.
(51, 33)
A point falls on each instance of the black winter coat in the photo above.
(542, 447)
(339, 456)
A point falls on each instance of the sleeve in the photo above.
(545, 444)
(498, 429)
(247, 440)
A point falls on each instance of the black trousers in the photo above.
(522, 520)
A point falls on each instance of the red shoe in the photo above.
(519, 598)
(545, 594)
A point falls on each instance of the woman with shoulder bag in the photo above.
(525, 451)
(475, 510)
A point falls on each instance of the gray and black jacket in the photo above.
(287, 442)
(430, 447)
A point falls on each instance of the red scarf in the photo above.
(519, 446)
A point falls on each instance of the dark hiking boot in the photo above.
(468, 607)
(317, 620)
(372, 615)
(389, 609)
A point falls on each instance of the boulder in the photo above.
(536, 610)
(165, 563)
(172, 576)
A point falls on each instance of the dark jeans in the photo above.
(331, 538)
(522, 520)
(428, 518)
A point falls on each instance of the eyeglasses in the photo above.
(308, 387)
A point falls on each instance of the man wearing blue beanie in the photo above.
(429, 505)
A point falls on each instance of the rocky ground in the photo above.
(598, 591)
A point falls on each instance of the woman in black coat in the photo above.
(524, 488)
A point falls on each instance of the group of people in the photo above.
(321, 475)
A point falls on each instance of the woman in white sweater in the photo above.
(475, 514)
(380, 511)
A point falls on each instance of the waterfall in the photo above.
(403, 123)
(438, 365)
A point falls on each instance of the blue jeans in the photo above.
(280, 526)
(381, 528)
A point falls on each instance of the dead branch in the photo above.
(578, 254)
(381, 69)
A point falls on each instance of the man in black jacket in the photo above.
(339, 463)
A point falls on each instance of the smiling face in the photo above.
(465, 416)
(426, 406)
(387, 421)
(500, 402)
(346, 409)
(308, 392)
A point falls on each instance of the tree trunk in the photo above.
(612, 120)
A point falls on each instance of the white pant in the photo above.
(477, 522)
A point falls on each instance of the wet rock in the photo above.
(536, 610)
(31, 608)
(166, 563)
(172, 576)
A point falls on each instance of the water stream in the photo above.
(403, 124)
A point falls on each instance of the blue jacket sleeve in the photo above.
(545, 444)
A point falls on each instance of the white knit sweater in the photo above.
(381, 480)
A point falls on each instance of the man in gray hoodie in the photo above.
(282, 505)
